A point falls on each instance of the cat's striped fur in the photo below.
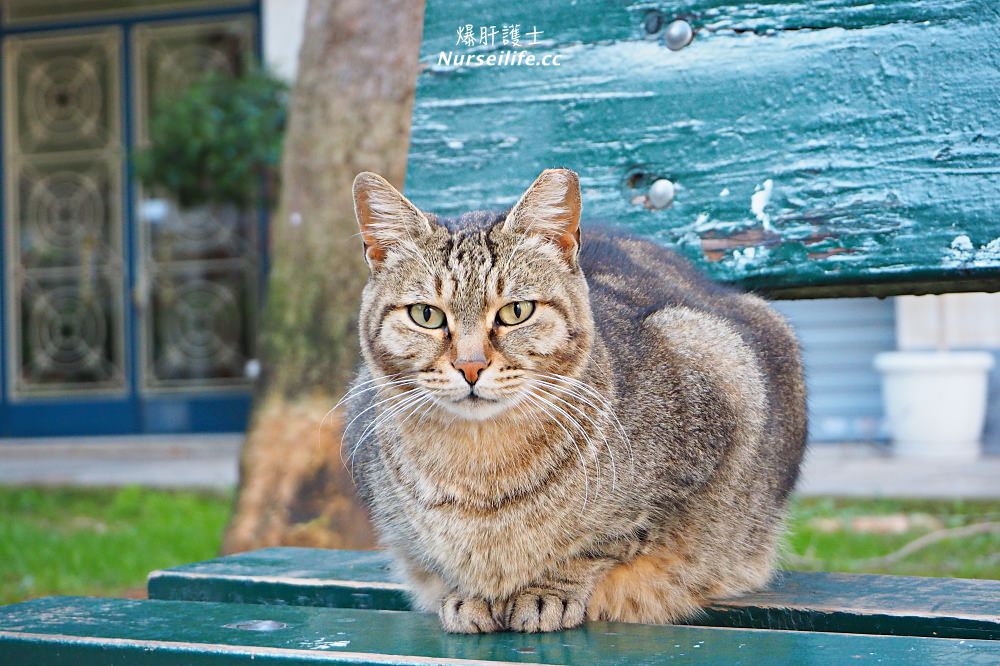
(634, 442)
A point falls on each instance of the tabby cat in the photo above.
(548, 429)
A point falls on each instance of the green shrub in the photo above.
(218, 142)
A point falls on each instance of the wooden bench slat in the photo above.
(855, 603)
(294, 576)
(882, 153)
(79, 630)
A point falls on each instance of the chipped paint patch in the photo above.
(759, 200)
(715, 245)
(743, 259)
(992, 249)
(963, 252)
(324, 644)
(962, 244)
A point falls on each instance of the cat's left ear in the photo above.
(551, 208)
(387, 219)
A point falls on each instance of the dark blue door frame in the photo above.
(134, 412)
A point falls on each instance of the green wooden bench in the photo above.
(295, 605)
(800, 149)
(860, 604)
(77, 631)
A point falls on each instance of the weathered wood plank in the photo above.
(80, 631)
(876, 124)
(869, 604)
(293, 576)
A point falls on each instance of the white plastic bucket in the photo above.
(935, 402)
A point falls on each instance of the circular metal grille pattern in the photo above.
(64, 209)
(68, 332)
(201, 233)
(63, 100)
(201, 326)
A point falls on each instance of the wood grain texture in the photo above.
(79, 631)
(875, 122)
(867, 604)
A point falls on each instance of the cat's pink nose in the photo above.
(470, 368)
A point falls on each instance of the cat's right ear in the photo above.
(551, 209)
(386, 218)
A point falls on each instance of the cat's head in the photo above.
(469, 314)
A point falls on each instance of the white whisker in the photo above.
(598, 428)
(372, 406)
(590, 444)
(534, 398)
(602, 400)
(382, 418)
(355, 391)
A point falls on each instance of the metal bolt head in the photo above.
(678, 35)
(661, 193)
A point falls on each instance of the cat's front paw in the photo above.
(464, 615)
(544, 609)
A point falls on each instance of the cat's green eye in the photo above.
(515, 313)
(426, 316)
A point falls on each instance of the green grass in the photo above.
(101, 541)
(823, 536)
(104, 542)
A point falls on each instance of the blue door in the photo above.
(122, 313)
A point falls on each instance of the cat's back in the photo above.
(639, 289)
(642, 277)
(630, 279)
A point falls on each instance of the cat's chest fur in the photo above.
(488, 533)
(492, 553)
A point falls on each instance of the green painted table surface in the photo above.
(900, 605)
(78, 631)
(875, 124)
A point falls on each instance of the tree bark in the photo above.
(350, 112)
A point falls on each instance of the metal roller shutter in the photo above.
(839, 338)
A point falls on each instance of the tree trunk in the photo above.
(350, 112)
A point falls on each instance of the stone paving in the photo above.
(858, 470)
(210, 461)
(190, 461)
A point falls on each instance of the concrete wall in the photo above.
(956, 321)
(284, 22)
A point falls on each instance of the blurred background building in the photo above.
(123, 313)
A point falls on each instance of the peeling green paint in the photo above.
(876, 124)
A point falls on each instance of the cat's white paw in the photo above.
(544, 609)
(464, 615)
